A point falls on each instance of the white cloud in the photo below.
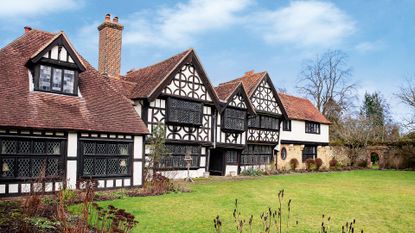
(178, 25)
(368, 46)
(27, 8)
(305, 24)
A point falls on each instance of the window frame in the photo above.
(225, 116)
(32, 156)
(260, 157)
(231, 157)
(312, 127)
(172, 122)
(259, 122)
(305, 156)
(107, 157)
(53, 67)
(286, 125)
(283, 154)
(180, 158)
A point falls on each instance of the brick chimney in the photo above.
(27, 29)
(110, 40)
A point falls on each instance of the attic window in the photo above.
(54, 79)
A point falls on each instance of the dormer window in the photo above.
(58, 80)
(56, 68)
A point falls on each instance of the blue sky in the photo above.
(235, 36)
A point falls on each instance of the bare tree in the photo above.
(326, 81)
(355, 133)
(407, 95)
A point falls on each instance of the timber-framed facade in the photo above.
(63, 122)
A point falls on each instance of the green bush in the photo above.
(310, 164)
(252, 172)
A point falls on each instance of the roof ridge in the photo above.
(13, 42)
(155, 64)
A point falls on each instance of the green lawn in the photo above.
(380, 201)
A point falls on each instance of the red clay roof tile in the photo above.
(99, 107)
(301, 109)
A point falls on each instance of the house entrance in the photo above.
(217, 162)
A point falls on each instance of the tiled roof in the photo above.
(99, 107)
(250, 81)
(147, 79)
(301, 109)
(225, 90)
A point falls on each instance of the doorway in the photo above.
(217, 162)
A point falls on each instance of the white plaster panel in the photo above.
(13, 188)
(2, 188)
(25, 188)
(71, 170)
(101, 183)
(118, 183)
(138, 147)
(202, 161)
(138, 173)
(48, 187)
(181, 174)
(110, 183)
(298, 133)
(58, 186)
(203, 151)
(231, 168)
(138, 107)
(72, 144)
(127, 182)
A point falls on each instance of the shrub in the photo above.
(252, 172)
(319, 163)
(158, 185)
(294, 164)
(310, 164)
(333, 163)
(362, 163)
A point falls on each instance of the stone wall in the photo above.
(326, 153)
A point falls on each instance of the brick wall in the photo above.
(110, 41)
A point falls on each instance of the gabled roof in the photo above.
(251, 81)
(151, 80)
(301, 109)
(99, 108)
(226, 91)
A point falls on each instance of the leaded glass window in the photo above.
(256, 154)
(31, 158)
(231, 157)
(312, 127)
(234, 119)
(309, 152)
(106, 158)
(184, 112)
(264, 122)
(57, 80)
(177, 154)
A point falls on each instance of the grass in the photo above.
(380, 201)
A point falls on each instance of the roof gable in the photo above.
(100, 108)
(301, 109)
(256, 84)
(234, 94)
(58, 51)
(151, 81)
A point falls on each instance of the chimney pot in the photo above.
(115, 19)
(107, 18)
(251, 72)
(27, 29)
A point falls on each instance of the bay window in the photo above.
(234, 119)
(176, 158)
(184, 112)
